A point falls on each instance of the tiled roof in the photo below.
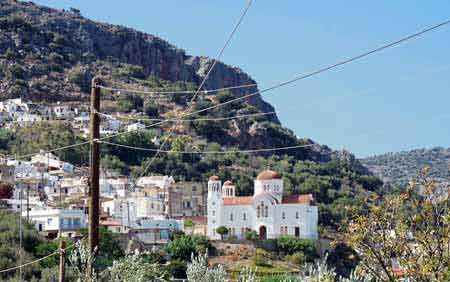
(233, 201)
(298, 199)
(228, 183)
(110, 223)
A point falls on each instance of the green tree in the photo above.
(114, 163)
(251, 235)
(128, 102)
(222, 231)
(151, 110)
(291, 245)
(183, 247)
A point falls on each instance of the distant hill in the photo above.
(398, 168)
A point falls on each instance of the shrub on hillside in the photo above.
(290, 245)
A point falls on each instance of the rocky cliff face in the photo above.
(48, 43)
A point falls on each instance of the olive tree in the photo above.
(406, 235)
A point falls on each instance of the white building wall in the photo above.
(306, 222)
(237, 225)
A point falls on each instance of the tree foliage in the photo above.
(222, 231)
(405, 235)
(184, 247)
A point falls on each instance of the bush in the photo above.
(128, 71)
(16, 72)
(133, 268)
(291, 245)
(177, 269)
(297, 258)
(151, 110)
(261, 258)
(114, 163)
(183, 247)
(55, 58)
(10, 54)
(129, 102)
(82, 78)
(251, 235)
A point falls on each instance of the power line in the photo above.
(196, 119)
(210, 152)
(178, 92)
(219, 55)
(295, 79)
(29, 263)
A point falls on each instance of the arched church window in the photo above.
(244, 216)
(258, 211)
(231, 217)
(283, 215)
(266, 211)
(296, 215)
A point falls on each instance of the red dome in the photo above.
(268, 175)
(214, 178)
(228, 183)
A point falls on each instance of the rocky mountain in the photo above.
(399, 168)
(51, 44)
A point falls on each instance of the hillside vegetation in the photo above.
(399, 168)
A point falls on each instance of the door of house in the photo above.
(262, 233)
(297, 232)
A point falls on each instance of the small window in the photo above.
(231, 217)
(266, 211)
(283, 215)
(244, 216)
(213, 213)
(296, 215)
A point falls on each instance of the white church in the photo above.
(267, 212)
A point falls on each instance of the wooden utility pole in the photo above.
(94, 199)
(28, 202)
(62, 260)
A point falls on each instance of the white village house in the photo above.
(53, 221)
(267, 212)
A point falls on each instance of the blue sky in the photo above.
(392, 101)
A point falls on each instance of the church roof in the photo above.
(248, 200)
(228, 183)
(268, 174)
(214, 178)
(298, 199)
(234, 201)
